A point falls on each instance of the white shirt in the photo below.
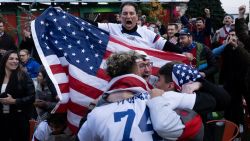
(143, 37)
(127, 119)
(3, 88)
(42, 132)
(162, 106)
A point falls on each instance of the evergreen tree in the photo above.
(196, 9)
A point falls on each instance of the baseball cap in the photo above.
(183, 31)
(229, 16)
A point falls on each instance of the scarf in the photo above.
(128, 82)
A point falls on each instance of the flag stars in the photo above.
(187, 77)
(51, 33)
(178, 71)
(91, 67)
(87, 37)
(78, 61)
(55, 20)
(87, 59)
(69, 46)
(65, 54)
(100, 41)
(83, 23)
(181, 81)
(182, 74)
(83, 51)
(65, 37)
(68, 24)
(82, 28)
(43, 36)
(47, 24)
(51, 14)
(42, 22)
(56, 42)
(59, 28)
(47, 47)
(89, 29)
(102, 33)
(60, 48)
(64, 16)
(73, 54)
(96, 55)
(73, 33)
(46, 38)
(91, 46)
(78, 42)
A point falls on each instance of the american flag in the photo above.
(183, 74)
(74, 52)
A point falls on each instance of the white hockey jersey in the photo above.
(142, 37)
(127, 120)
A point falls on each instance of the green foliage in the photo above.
(153, 10)
(196, 9)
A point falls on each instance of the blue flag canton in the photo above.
(82, 44)
(185, 73)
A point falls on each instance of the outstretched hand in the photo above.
(242, 10)
(207, 12)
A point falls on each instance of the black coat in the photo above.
(242, 32)
(23, 91)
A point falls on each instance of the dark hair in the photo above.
(45, 75)
(167, 69)
(130, 4)
(57, 119)
(200, 19)
(173, 24)
(4, 59)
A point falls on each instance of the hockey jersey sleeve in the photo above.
(166, 122)
(42, 132)
(87, 131)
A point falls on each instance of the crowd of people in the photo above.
(174, 105)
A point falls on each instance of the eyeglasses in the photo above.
(144, 65)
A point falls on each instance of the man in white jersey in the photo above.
(175, 77)
(136, 35)
(124, 114)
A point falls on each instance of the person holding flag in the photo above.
(74, 54)
(128, 30)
